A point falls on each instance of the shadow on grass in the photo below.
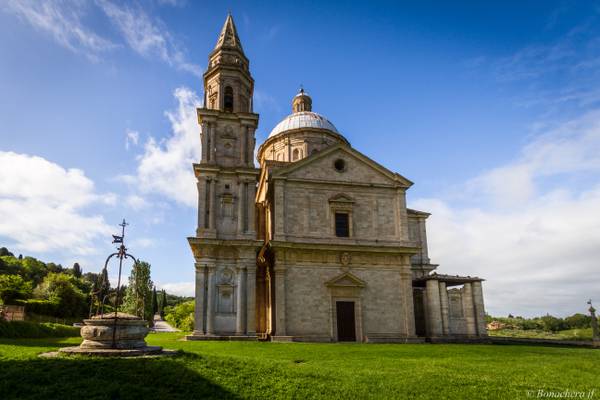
(100, 378)
(41, 342)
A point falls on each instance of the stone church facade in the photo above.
(317, 243)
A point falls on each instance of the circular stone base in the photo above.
(142, 351)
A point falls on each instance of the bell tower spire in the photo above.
(229, 37)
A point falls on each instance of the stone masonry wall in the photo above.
(309, 301)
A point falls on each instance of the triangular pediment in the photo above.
(346, 279)
(358, 168)
(341, 198)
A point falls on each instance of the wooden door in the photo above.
(345, 321)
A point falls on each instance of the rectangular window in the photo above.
(342, 226)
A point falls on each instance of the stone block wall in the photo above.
(309, 213)
(383, 307)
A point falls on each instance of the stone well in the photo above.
(102, 335)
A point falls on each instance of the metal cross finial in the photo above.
(120, 239)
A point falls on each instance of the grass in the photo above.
(27, 329)
(297, 370)
(570, 334)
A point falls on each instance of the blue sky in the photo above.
(492, 109)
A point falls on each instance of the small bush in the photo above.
(23, 329)
(181, 316)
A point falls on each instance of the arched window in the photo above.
(228, 100)
(295, 155)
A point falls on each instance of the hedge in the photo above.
(24, 329)
(39, 307)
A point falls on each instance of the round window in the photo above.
(339, 165)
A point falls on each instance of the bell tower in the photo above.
(225, 244)
(226, 173)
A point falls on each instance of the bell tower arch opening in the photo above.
(228, 99)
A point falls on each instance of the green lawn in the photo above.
(570, 334)
(281, 370)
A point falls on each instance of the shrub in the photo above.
(63, 290)
(23, 329)
(580, 321)
(12, 288)
(181, 316)
(41, 307)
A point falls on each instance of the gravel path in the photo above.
(163, 326)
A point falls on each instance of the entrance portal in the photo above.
(345, 321)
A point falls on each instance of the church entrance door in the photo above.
(345, 321)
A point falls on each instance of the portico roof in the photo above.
(449, 280)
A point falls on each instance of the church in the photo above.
(317, 243)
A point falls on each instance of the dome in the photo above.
(303, 119)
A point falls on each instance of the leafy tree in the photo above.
(181, 316)
(13, 287)
(64, 290)
(77, 270)
(33, 270)
(11, 265)
(578, 321)
(138, 296)
(553, 324)
(4, 252)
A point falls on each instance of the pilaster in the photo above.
(210, 301)
(241, 205)
(213, 205)
(199, 300)
(408, 317)
(251, 300)
(279, 233)
(201, 185)
(240, 316)
(280, 329)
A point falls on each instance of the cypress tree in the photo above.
(76, 270)
(163, 304)
(154, 302)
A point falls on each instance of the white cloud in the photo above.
(265, 102)
(131, 138)
(537, 243)
(62, 20)
(172, 3)
(136, 202)
(572, 147)
(142, 243)
(147, 36)
(65, 21)
(177, 288)
(165, 167)
(42, 206)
